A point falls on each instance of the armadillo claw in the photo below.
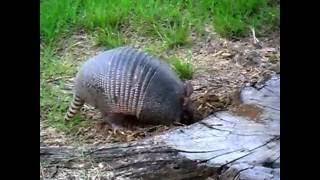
(117, 129)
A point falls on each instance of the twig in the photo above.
(54, 79)
(255, 39)
(209, 105)
(42, 173)
(55, 172)
(73, 45)
(178, 124)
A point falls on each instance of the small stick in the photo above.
(255, 39)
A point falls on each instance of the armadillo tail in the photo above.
(74, 108)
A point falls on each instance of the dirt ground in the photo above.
(222, 67)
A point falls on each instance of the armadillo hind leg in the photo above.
(117, 121)
(74, 108)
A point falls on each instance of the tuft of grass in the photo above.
(52, 67)
(104, 13)
(182, 67)
(167, 21)
(109, 38)
(156, 48)
(176, 36)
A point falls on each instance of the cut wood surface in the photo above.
(243, 143)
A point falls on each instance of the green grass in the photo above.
(233, 18)
(175, 36)
(53, 108)
(168, 22)
(109, 38)
(183, 67)
(57, 17)
(104, 13)
(54, 103)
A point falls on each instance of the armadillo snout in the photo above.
(187, 116)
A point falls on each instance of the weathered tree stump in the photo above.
(239, 144)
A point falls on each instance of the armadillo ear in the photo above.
(185, 101)
(188, 88)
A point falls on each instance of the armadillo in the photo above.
(124, 82)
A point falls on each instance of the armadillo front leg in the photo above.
(115, 120)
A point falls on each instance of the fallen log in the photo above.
(240, 144)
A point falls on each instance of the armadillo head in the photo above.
(187, 112)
